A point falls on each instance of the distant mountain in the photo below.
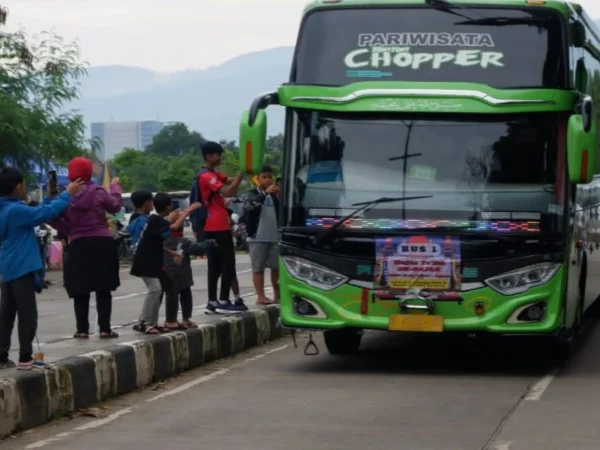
(209, 101)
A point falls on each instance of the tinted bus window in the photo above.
(341, 46)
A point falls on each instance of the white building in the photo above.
(115, 136)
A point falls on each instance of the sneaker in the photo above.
(30, 365)
(239, 303)
(211, 307)
(8, 364)
(226, 307)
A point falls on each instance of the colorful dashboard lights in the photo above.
(398, 224)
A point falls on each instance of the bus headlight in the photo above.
(521, 280)
(313, 274)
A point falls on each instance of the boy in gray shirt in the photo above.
(261, 213)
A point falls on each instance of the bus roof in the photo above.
(566, 8)
(563, 6)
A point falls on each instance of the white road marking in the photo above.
(40, 444)
(262, 355)
(138, 294)
(210, 376)
(538, 389)
(64, 435)
(88, 426)
(191, 384)
(199, 307)
(121, 297)
(105, 421)
(502, 445)
(117, 414)
(194, 262)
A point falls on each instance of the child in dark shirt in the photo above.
(178, 262)
(149, 264)
(142, 201)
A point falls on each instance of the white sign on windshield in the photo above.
(385, 50)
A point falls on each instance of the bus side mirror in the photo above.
(582, 144)
(252, 142)
(578, 34)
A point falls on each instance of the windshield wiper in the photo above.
(501, 21)
(364, 207)
(445, 5)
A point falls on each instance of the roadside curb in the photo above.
(34, 398)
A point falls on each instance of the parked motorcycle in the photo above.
(124, 246)
(123, 240)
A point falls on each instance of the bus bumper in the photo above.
(344, 308)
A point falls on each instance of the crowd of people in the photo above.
(162, 254)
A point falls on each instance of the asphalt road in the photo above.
(57, 319)
(408, 393)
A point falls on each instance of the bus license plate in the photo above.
(413, 322)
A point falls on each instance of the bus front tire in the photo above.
(342, 342)
(563, 348)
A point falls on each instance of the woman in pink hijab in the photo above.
(92, 263)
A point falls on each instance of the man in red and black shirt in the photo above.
(214, 186)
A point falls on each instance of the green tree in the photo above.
(193, 159)
(177, 177)
(146, 173)
(37, 80)
(228, 145)
(230, 164)
(124, 162)
(175, 140)
(164, 172)
(274, 143)
(138, 170)
(274, 159)
(128, 158)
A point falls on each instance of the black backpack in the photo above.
(199, 216)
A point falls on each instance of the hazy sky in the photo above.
(169, 35)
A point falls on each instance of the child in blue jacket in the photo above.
(20, 261)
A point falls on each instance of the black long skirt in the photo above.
(91, 265)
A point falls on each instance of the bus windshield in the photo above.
(474, 168)
(523, 49)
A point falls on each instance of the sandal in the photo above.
(190, 324)
(140, 327)
(79, 335)
(150, 329)
(179, 327)
(265, 302)
(108, 335)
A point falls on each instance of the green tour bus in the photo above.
(439, 159)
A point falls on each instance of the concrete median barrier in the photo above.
(33, 398)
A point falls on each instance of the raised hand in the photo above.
(75, 186)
